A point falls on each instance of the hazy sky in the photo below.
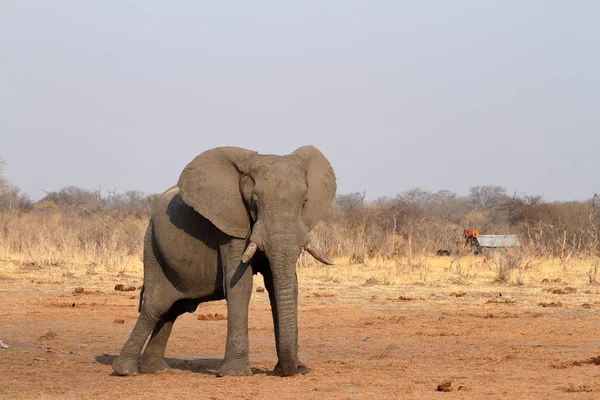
(397, 94)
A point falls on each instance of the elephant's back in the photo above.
(186, 242)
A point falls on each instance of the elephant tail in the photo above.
(141, 299)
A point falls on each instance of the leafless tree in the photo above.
(11, 197)
(350, 202)
(486, 197)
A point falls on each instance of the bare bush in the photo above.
(462, 269)
(593, 272)
(513, 262)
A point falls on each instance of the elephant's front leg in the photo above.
(238, 290)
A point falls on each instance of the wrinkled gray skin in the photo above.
(233, 213)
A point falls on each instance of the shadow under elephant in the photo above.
(205, 366)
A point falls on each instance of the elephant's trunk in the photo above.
(282, 259)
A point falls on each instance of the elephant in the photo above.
(232, 214)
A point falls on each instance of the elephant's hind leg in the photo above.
(152, 312)
(127, 362)
(158, 298)
(153, 360)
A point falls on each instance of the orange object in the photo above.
(470, 233)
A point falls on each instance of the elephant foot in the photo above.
(154, 365)
(234, 369)
(125, 366)
(297, 368)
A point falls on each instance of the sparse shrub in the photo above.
(593, 272)
(504, 269)
(512, 261)
(463, 270)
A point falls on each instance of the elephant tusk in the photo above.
(316, 254)
(249, 252)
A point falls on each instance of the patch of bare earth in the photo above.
(374, 341)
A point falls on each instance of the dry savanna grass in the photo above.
(86, 244)
(71, 244)
(511, 270)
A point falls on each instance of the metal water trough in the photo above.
(490, 243)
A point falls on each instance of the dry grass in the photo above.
(516, 269)
(76, 245)
(71, 243)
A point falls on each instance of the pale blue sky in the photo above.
(397, 94)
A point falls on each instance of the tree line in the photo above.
(414, 221)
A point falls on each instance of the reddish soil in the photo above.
(414, 342)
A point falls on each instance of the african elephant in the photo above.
(233, 213)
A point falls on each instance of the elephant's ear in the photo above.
(321, 184)
(210, 184)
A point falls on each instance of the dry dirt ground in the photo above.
(360, 341)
